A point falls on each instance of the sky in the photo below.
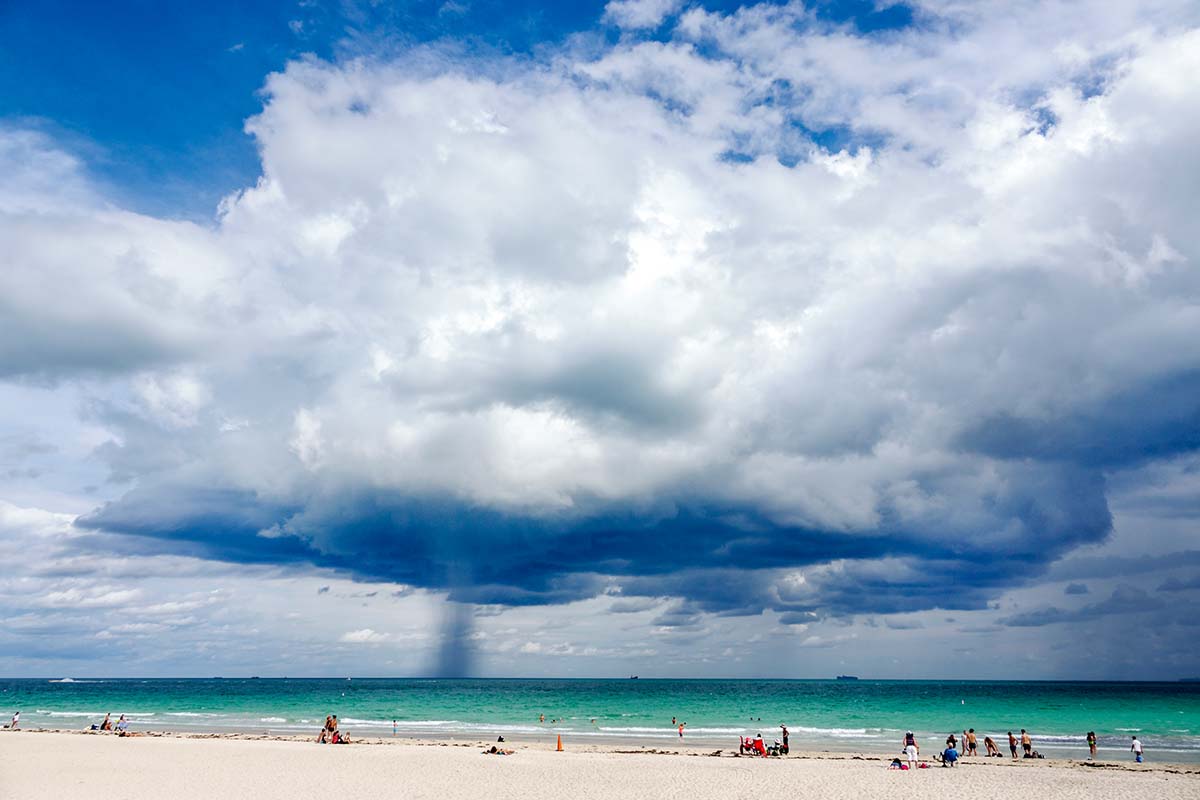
(592, 339)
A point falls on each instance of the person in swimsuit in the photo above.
(1012, 744)
(1091, 740)
(1026, 743)
(972, 744)
(106, 725)
(990, 745)
(681, 729)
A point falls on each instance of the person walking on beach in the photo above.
(1026, 743)
(1091, 740)
(1136, 747)
(1012, 744)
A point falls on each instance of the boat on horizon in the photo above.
(847, 677)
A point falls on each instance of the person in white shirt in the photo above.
(16, 720)
(1136, 747)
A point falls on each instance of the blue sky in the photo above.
(559, 340)
(158, 96)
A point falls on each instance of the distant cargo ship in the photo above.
(847, 677)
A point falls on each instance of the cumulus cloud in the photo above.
(766, 315)
(636, 14)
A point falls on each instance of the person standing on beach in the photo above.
(393, 727)
(785, 739)
(681, 729)
(1026, 743)
(1091, 740)
(972, 744)
(1012, 744)
(1136, 747)
(16, 721)
(911, 748)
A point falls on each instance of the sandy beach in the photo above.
(56, 765)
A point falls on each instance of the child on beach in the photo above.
(1136, 747)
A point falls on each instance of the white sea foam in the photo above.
(271, 719)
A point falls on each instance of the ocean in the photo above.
(867, 716)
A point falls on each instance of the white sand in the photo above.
(60, 766)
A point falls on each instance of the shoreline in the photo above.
(525, 743)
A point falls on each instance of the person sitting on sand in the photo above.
(106, 725)
(122, 723)
(991, 748)
(951, 741)
(950, 757)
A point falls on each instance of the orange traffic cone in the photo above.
(559, 748)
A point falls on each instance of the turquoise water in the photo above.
(822, 715)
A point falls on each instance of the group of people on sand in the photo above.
(107, 724)
(969, 747)
(330, 733)
(758, 747)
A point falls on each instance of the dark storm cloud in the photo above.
(1180, 584)
(1156, 419)
(1123, 600)
(722, 560)
(1076, 588)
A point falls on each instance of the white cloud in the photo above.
(635, 14)
(765, 264)
(364, 636)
